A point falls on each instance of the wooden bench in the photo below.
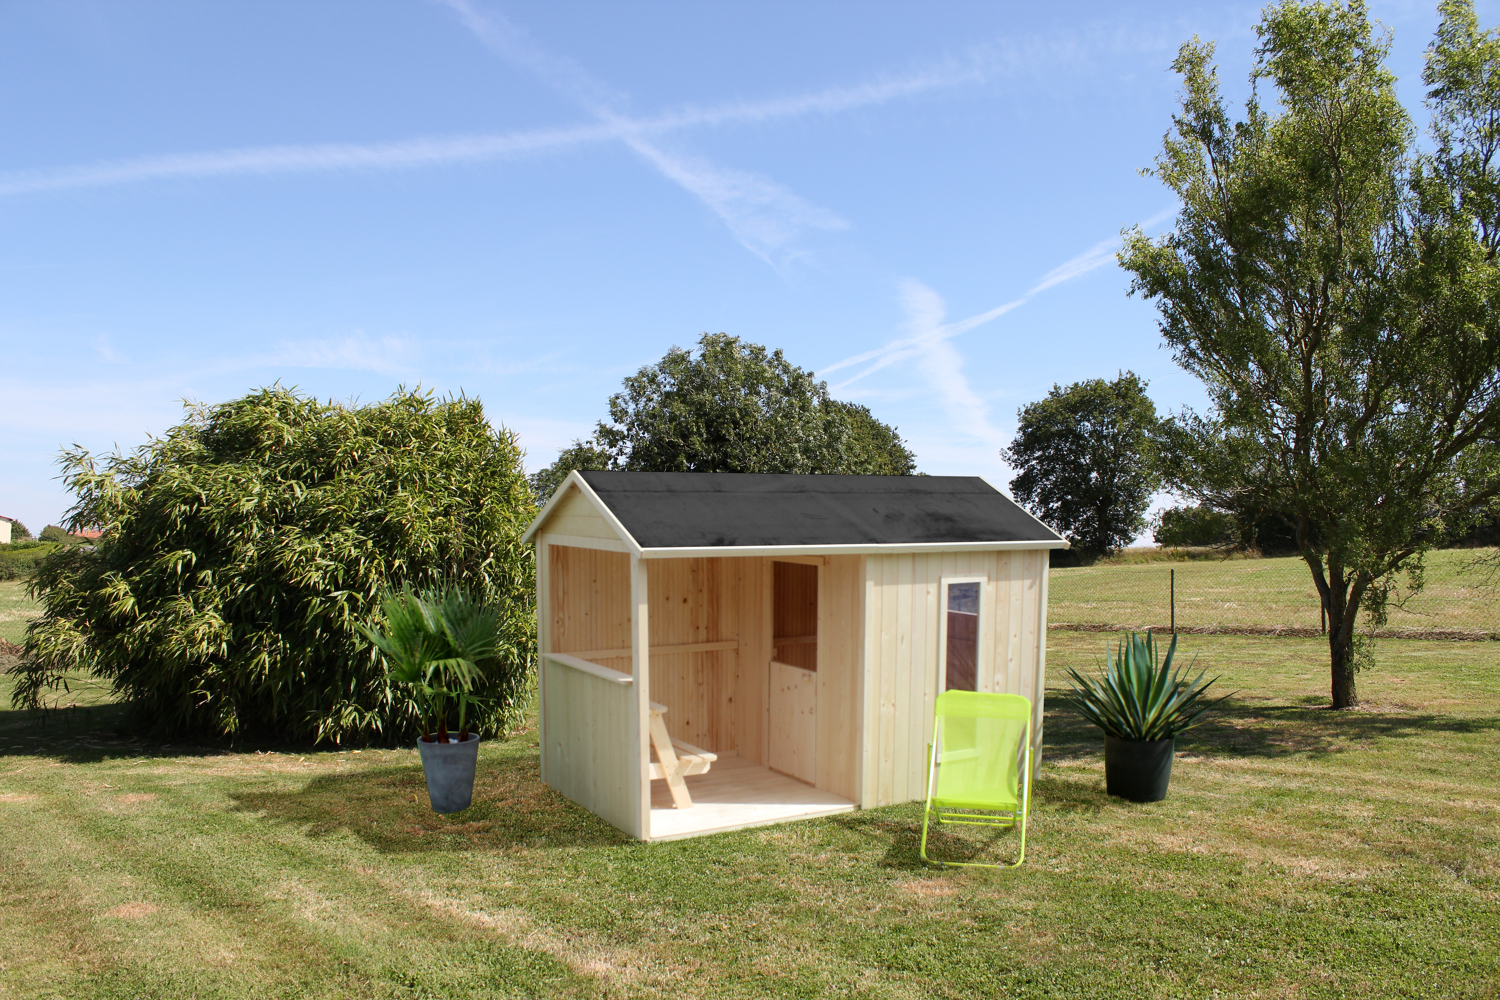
(674, 759)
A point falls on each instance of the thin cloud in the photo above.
(764, 217)
(902, 348)
(761, 214)
(1096, 256)
(393, 356)
(437, 151)
(941, 366)
(303, 159)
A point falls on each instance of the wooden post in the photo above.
(543, 640)
(640, 672)
(1039, 691)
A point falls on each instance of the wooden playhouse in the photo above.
(721, 651)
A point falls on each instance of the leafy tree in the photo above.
(1085, 460)
(580, 456)
(731, 406)
(1195, 525)
(18, 532)
(872, 448)
(53, 533)
(243, 551)
(1336, 291)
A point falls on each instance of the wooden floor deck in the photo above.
(736, 794)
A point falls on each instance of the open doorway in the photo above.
(794, 670)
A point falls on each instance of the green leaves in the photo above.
(1337, 291)
(1084, 456)
(443, 646)
(731, 406)
(244, 549)
(1139, 696)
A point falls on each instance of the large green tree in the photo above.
(1084, 458)
(242, 550)
(731, 406)
(1336, 291)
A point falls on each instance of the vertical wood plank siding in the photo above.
(750, 607)
(696, 600)
(639, 725)
(840, 662)
(586, 722)
(902, 658)
(586, 726)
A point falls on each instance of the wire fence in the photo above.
(1460, 598)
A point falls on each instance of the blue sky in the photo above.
(529, 201)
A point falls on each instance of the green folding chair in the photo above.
(980, 743)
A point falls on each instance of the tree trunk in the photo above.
(1341, 603)
(1341, 650)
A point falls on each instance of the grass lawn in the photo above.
(1301, 853)
(1264, 592)
(15, 610)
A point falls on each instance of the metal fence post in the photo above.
(1174, 600)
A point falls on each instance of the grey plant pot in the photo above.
(1138, 770)
(450, 772)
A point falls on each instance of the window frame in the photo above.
(979, 627)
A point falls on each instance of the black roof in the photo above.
(698, 509)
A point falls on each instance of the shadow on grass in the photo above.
(79, 734)
(1244, 727)
(88, 734)
(387, 808)
(903, 830)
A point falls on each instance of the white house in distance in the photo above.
(721, 651)
(5, 523)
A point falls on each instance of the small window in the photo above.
(962, 653)
(795, 614)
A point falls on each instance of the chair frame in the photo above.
(975, 817)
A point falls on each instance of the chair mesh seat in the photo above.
(980, 743)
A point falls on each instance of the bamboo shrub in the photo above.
(242, 550)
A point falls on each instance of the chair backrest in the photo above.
(979, 741)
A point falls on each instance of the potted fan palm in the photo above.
(439, 646)
(1142, 704)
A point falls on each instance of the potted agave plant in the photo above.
(438, 646)
(1142, 704)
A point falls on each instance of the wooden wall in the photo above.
(715, 699)
(902, 595)
(589, 604)
(586, 728)
(752, 678)
(576, 515)
(841, 611)
(694, 602)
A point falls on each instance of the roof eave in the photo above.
(893, 548)
(1043, 524)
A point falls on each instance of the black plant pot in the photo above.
(1138, 770)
